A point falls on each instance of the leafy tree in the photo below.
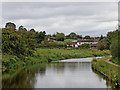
(115, 46)
(40, 36)
(73, 35)
(107, 40)
(19, 43)
(32, 30)
(79, 36)
(60, 36)
(10, 25)
(103, 44)
(13, 44)
(54, 35)
(21, 28)
(87, 37)
(101, 37)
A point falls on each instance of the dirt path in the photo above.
(108, 60)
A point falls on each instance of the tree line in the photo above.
(111, 42)
(22, 42)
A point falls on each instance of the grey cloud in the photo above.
(63, 17)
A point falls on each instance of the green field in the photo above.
(69, 40)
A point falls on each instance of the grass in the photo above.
(69, 40)
(111, 71)
(116, 60)
(45, 55)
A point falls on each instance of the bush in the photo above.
(84, 46)
(103, 44)
(115, 48)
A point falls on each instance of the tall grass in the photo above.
(111, 71)
(45, 55)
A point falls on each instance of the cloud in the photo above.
(88, 18)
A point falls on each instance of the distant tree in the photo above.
(97, 37)
(53, 35)
(10, 25)
(101, 37)
(21, 28)
(40, 36)
(103, 44)
(73, 35)
(79, 36)
(87, 37)
(60, 36)
(32, 30)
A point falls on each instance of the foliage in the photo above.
(20, 42)
(60, 36)
(115, 46)
(87, 37)
(50, 44)
(13, 43)
(111, 71)
(84, 46)
(10, 25)
(79, 36)
(41, 55)
(69, 40)
(103, 44)
(40, 36)
(101, 37)
(116, 60)
(106, 42)
(72, 35)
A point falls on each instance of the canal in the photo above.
(70, 73)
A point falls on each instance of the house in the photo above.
(69, 43)
(77, 43)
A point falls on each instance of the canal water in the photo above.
(70, 73)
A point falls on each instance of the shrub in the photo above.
(115, 48)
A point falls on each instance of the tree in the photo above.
(60, 36)
(72, 35)
(40, 36)
(32, 30)
(115, 46)
(79, 36)
(10, 25)
(19, 43)
(87, 37)
(103, 44)
(106, 42)
(101, 37)
(21, 28)
(13, 43)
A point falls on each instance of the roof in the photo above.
(74, 41)
(70, 43)
(81, 40)
(87, 40)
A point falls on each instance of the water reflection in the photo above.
(56, 75)
(24, 78)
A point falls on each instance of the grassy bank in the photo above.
(10, 63)
(111, 72)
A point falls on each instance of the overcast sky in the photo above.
(88, 18)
